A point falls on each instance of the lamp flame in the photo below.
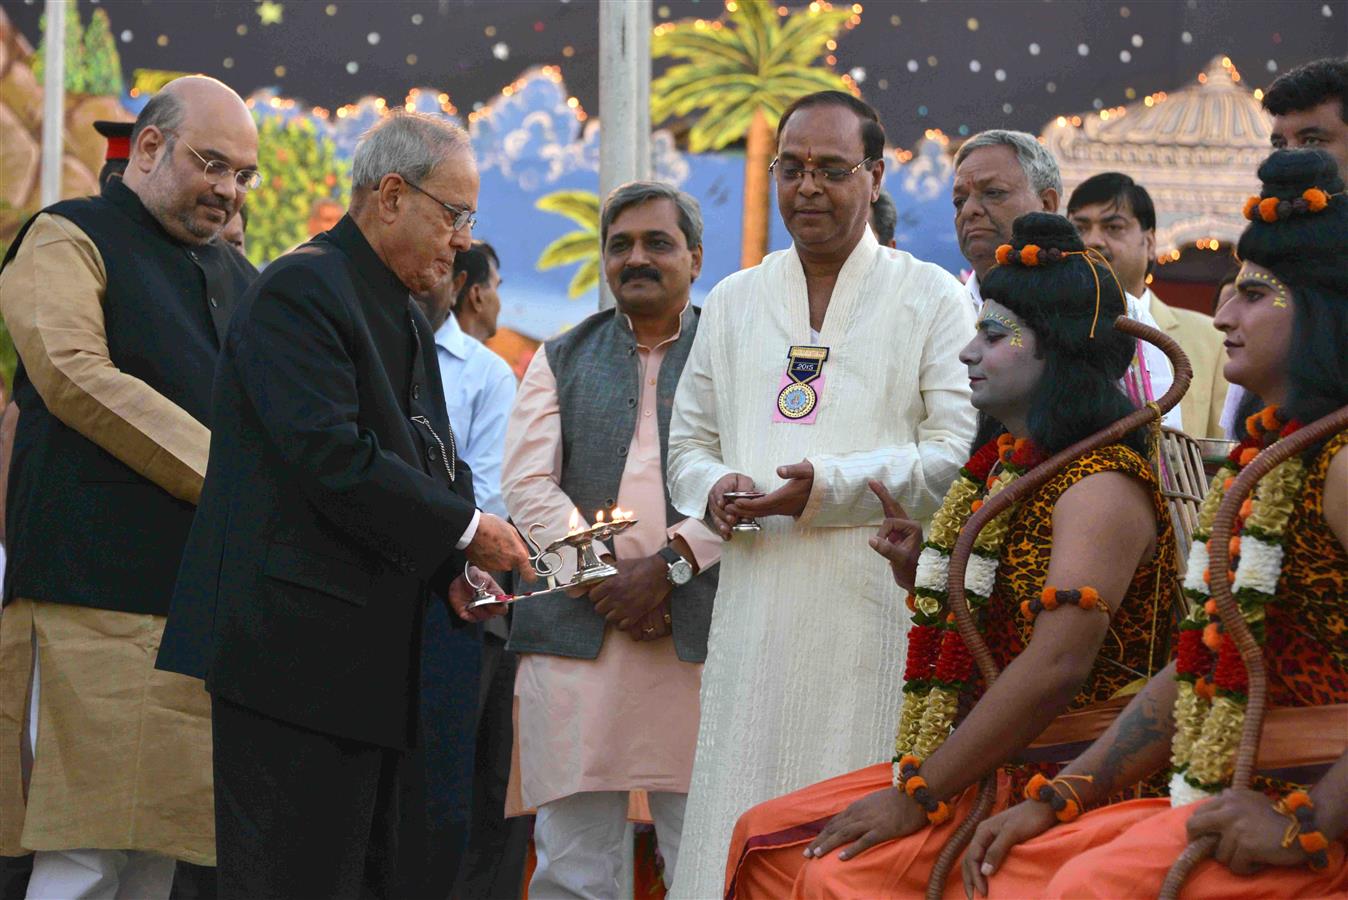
(574, 525)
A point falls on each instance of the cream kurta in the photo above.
(626, 720)
(803, 672)
(123, 756)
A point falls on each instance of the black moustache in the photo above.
(644, 272)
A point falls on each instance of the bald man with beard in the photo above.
(118, 305)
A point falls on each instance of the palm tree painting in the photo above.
(579, 246)
(741, 72)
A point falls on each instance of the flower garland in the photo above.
(1211, 676)
(938, 666)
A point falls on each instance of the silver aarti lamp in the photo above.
(548, 561)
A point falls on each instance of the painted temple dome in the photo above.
(1195, 150)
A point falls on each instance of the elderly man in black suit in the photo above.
(334, 509)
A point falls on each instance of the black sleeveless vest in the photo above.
(82, 527)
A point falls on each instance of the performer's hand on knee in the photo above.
(716, 502)
(882, 816)
(498, 547)
(899, 538)
(1249, 830)
(995, 837)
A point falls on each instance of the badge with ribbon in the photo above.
(798, 398)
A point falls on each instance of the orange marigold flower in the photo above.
(912, 784)
(1204, 688)
(975, 506)
(1029, 255)
(1068, 812)
(1207, 576)
(1247, 455)
(1003, 254)
(1251, 206)
(939, 814)
(911, 602)
(1025, 609)
(1226, 485)
(907, 760)
(1212, 637)
(1252, 424)
(1049, 596)
(1312, 841)
(1233, 546)
(1315, 198)
(1268, 209)
(1036, 783)
(1005, 440)
(1246, 508)
(1089, 597)
(1268, 417)
(1210, 607)
(1295, 800)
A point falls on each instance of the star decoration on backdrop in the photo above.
(269, 12)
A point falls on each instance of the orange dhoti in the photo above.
(767, 849)
(1125, 850)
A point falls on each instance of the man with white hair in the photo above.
(335, 508)
(1001, 175)
(117, 304)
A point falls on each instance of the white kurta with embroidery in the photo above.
(804, 666)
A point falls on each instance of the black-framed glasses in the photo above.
(217, 171)
(792, 173)
(463, 218)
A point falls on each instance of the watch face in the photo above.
(681, 572)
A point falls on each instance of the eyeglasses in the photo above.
(463, 218)
(794, 174)
(217, 171)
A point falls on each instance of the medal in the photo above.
(797, 399)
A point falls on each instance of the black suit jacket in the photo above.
(328, 517)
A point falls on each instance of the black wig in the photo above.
(1308, 252)
(1079, 391)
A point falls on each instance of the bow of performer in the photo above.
(1071, 588)
(335, 508)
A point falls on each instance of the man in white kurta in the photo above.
(803, 672)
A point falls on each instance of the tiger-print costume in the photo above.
(1138, 640)
(1307, 626)
(1136, 646)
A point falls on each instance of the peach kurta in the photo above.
(626, 720)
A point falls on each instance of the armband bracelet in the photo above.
(1298, 807)
(1042, 790)
(915, 786)
(1051, 598)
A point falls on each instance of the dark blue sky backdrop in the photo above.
(947, 64)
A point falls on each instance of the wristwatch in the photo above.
(680, 569)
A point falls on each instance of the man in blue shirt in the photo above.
(479, 385)
(479, 390)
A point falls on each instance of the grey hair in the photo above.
(634, 193)
(409, 144)
(1041, 169)
(165, 111)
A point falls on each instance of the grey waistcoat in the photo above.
(598, 384)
